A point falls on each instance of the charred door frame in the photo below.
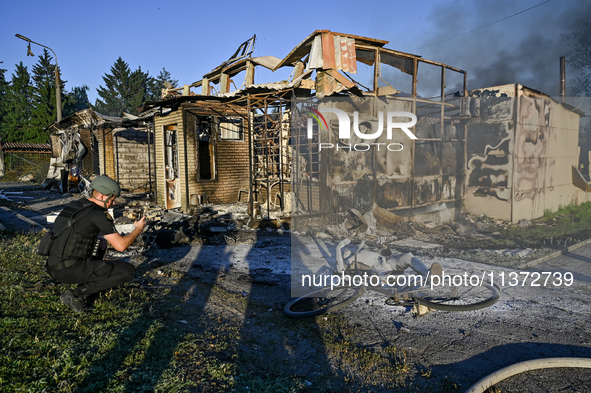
(175, 200)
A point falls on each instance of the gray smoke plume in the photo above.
(522, 49)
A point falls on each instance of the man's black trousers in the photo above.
(95, 275)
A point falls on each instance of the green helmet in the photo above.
(106, 186)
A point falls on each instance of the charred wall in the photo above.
(123, 156)
(216, 170)
(546, 148)
(520, 153)
(87, 160)
(421, 175)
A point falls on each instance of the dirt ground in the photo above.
(244, 277)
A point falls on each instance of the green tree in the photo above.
(75, 100)
(43, 111)
(3, 91)
(19, 97)
(159, 83)
(139, 89)
(124, 91)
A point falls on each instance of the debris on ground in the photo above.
(26, 178)
(507, 252)
(469, 237)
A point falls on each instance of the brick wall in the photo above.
(230, 160)
(126, 156)
(104, 137)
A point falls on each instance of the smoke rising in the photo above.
(523, 49)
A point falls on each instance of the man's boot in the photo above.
(75, 303)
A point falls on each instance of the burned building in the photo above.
(522, 145)
(224, 146)
(90, 143)
(201, 151)
(429, 174)
(415, 142)
(423, 177)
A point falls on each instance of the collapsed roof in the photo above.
(329, 56)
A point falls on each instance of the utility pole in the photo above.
(58, 93)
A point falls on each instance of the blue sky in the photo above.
(190, 38)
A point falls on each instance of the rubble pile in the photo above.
(381, 223)
(378, 226)
(469, 237)
(169, 228)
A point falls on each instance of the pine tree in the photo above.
(124, 91)
(155, 91)
(3, 91)
(44, 100)
(75, 100)
(19, 99)
(139, 86)
(113, 95)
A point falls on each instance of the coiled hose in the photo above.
(518, 368)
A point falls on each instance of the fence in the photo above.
(21, 164)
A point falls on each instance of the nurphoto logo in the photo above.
(344, 122)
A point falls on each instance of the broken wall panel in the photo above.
(352, 195)
(427, 158)
(133, 170)
(369, 162)
(392, 194)
(427, 190)
(452, 188)
(521, 150)
(452, 158)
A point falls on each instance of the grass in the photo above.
(139, 339)
(46, 347)
(134, 340)
(566, 226)
(386, 367)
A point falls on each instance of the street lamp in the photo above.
(58, 97)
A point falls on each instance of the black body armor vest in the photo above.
(70, 244)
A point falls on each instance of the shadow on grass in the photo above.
(204, 336)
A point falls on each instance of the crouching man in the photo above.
(75, 256)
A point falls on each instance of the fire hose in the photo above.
(518, 368)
